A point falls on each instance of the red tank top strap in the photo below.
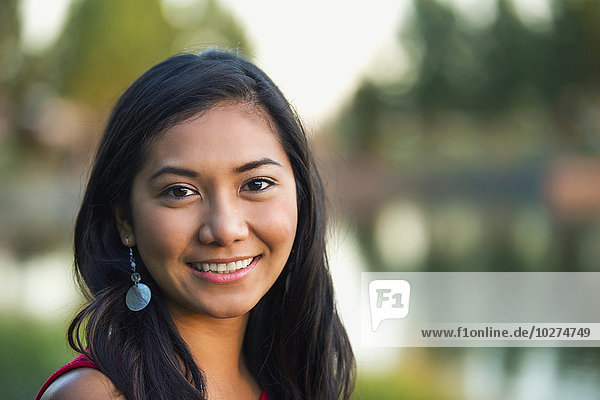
(81, 361)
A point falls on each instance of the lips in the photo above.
(222, 268)
(225, 277)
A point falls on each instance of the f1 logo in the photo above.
(388, 299)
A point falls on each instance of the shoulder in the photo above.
(82, 383)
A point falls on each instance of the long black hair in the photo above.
(295, 344)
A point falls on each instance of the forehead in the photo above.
(225, 134)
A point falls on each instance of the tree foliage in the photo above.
(108, 43)
(489, 71)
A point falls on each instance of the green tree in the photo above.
(108, 43)
(490, 71)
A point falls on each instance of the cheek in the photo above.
(277, 225)
(160, 231)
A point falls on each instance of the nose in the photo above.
(223, 223)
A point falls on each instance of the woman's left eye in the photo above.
(178, 192)
(257, 185)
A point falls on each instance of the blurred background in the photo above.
(454, 135)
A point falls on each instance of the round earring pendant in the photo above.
(138, 296)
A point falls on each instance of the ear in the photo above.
(123, 221)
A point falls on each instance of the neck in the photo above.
(215, 343)
(217, 347)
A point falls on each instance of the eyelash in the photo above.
(170, 189)
(269, 182)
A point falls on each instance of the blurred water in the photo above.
(474, 373)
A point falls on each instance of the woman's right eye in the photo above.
(179, 192)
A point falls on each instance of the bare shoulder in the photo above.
(82, 383)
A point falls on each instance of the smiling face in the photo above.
(213, 211)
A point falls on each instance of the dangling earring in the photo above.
(138, 296)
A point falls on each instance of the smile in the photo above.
(222, 268)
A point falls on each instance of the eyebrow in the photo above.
(255, 164)
(193, 174)
(174, 171)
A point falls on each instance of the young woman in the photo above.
(200, 244)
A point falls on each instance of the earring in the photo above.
(138, 296)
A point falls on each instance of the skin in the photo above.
(233, 195)
(82, 383)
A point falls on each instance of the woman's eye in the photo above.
(178, 192)
(257, 185)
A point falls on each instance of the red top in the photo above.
(81, 361)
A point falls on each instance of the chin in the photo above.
(226, 314)
(229, 310)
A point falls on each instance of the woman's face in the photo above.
(213, 211)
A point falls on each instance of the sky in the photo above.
(317, 50)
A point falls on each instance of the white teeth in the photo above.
(223, 268)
